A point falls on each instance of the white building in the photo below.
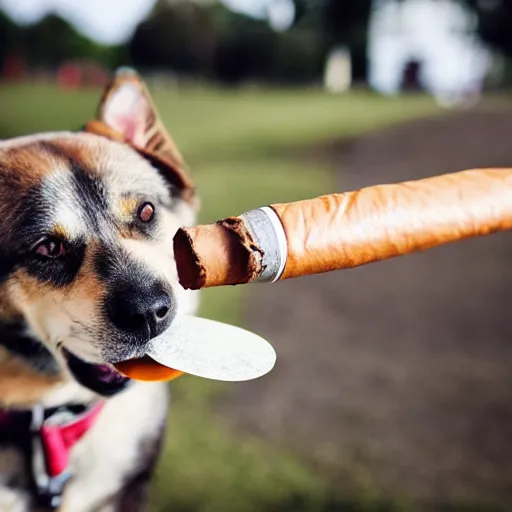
(438, 35)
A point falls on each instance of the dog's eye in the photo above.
(50, 248)
(146, 212)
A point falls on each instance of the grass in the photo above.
(241, 148)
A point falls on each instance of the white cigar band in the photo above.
(266, 229)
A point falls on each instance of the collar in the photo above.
(49, 435)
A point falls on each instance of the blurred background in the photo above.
(393, 387)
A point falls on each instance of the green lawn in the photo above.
(243, 149)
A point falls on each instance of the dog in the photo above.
(88, 278)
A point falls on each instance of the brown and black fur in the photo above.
(106, 287)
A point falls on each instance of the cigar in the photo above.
(344, 230)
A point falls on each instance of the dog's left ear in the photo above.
(127, 114)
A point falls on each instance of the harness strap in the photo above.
(52, 433)
(59, 438)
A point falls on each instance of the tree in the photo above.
(51, 41)
(177, 36)
(9, 36)
(207, 40)
(340, 22)
(246, 47)
(494, 23)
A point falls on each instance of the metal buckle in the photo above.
(49, 489)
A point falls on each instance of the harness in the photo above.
(46, 436)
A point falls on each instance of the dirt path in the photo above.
(398, 376)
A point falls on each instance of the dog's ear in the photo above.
(127, 114)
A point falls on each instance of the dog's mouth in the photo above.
(103, 379)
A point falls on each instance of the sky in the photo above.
(113, 21)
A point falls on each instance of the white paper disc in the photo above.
(213, 350)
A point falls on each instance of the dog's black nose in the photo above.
(145, 311)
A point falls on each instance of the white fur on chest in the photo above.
(111, 450)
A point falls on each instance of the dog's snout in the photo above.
(143, 311)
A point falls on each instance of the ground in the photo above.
(397, 376)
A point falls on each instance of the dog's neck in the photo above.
(15, 338)
(29, 373)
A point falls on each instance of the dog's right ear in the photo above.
(127, 114)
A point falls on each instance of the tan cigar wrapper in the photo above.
(345, 230)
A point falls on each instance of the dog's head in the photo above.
(88, 219)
